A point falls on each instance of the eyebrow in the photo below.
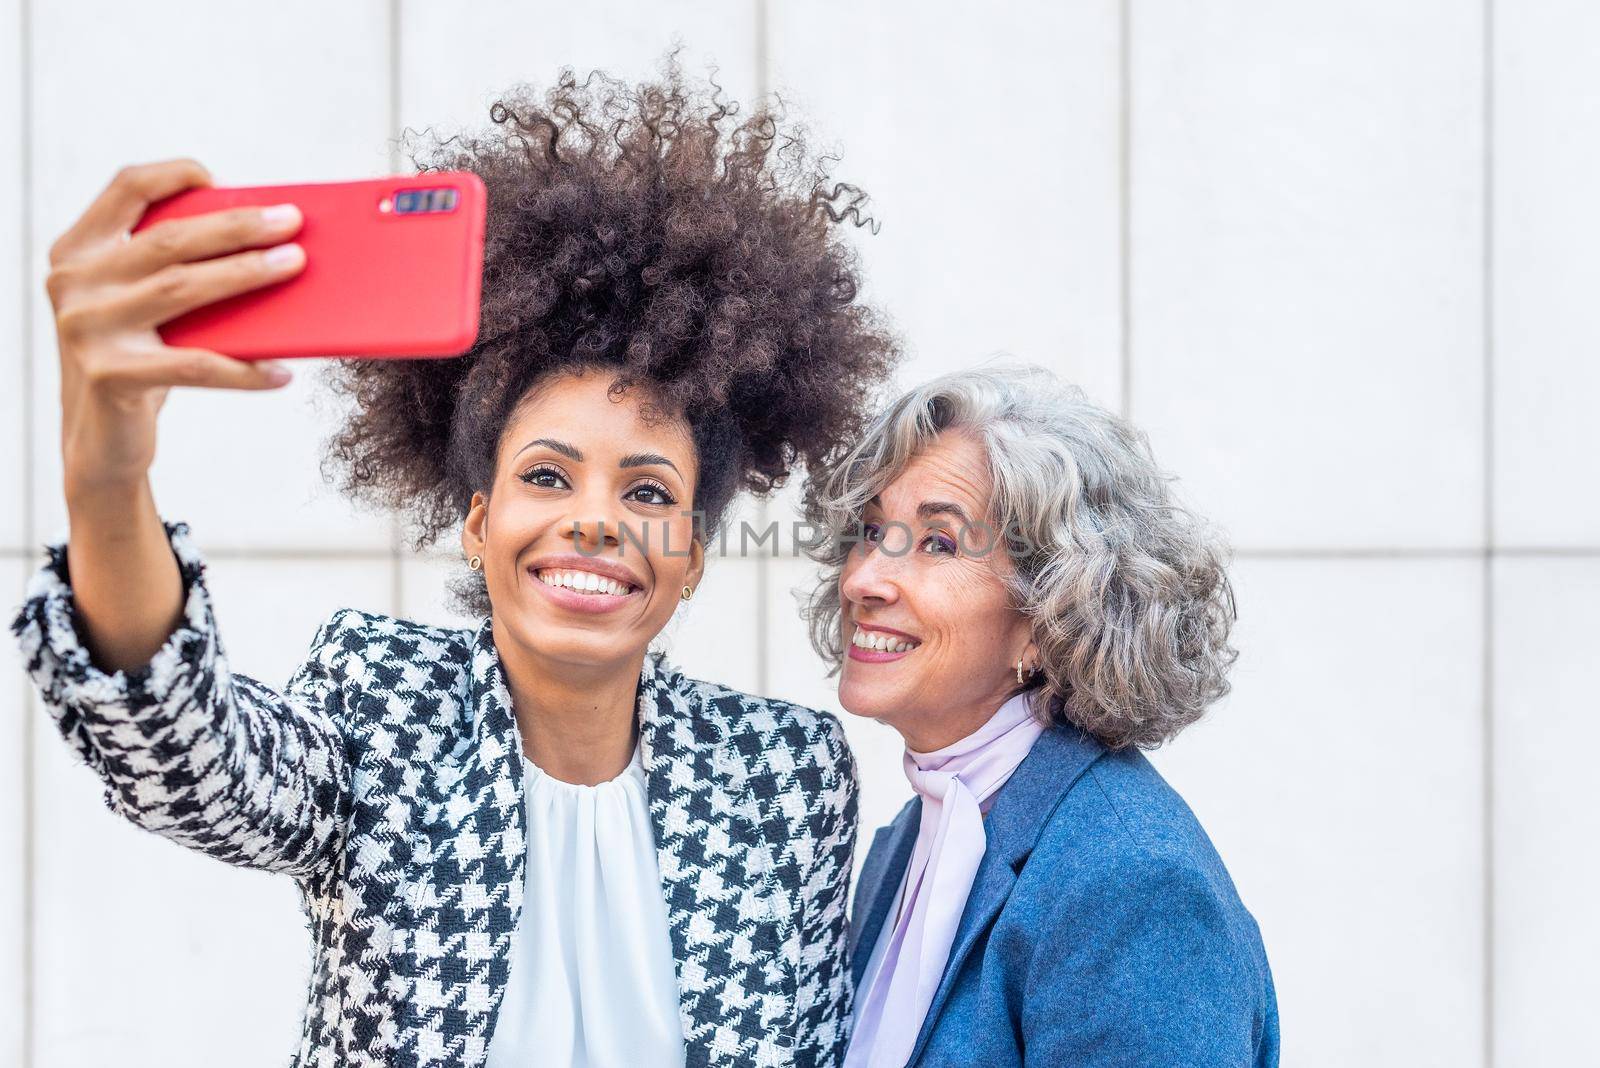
(557, 446)
(633, 459)
(645, 459)
(929, 509)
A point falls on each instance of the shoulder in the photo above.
(374, 656)
(377, 636)
(1124, 842)
(1147, 823)
(350, 638)
(1124, 864)
(793, 740)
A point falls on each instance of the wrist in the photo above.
(99, 498)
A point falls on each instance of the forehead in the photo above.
(953, 467)
(579, 410)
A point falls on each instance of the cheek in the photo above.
(663, 561)
(515, 523)
(966, 606)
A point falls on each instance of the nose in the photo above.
(870, 578)
(594, 525)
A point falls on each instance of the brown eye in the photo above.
(651, 493)
(545, 478)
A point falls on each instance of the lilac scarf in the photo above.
(957, 784)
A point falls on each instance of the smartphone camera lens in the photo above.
(416, 201)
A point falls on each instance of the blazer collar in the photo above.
(459, 917)
(881, 876)
(1018, 817)
(719, 840)
(489, 700)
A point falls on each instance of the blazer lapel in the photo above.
(1022, 808)
(880, 879)
(460, 912)
(730, 919)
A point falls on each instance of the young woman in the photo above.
(528, 841)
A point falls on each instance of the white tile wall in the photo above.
(1342, 784)
(146, 954)
(1547, 811)
(13, 801)
(1547, 322)
(711, 636)
(457, 57)
(1306, 262)
(1305, 203)
(423, 593)
(997, 236)
(998, 240)
(12, 533)
(297, 92)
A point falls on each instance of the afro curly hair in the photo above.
(649, 230)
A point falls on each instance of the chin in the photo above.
(867, 701)
(567, 644)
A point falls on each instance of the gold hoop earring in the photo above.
(476, 563)
(688, 592)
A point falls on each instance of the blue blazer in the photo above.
(1102, 928)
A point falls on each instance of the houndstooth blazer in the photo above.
(386, 780)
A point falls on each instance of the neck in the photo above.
(925, 733)
(578, 723)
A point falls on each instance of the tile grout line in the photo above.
(1125, 199)
(29, 519)
(1549, 552)
(763, 60)
(1314, 552)
(396, 562)
(1487, 681)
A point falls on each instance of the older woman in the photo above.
(1022, 600)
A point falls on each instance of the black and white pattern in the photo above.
(386, 780)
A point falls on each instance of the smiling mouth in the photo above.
(585, 582)
(879, 642)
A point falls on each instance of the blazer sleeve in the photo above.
(184, 747)
(824, 993)
(1162, 974)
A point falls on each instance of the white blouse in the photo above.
(592, 981)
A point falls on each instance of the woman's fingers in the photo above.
(200, 237)
(169, 366)
(181, 287)
(120, 205)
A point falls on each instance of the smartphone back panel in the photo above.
(394, 268)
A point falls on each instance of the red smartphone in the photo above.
(394, 267)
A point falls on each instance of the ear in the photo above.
(476, 527)
(697, 563)
(1030, 656)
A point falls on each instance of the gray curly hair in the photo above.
(1125, 588)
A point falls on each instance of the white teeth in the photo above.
(881, 643)
(582, 582)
